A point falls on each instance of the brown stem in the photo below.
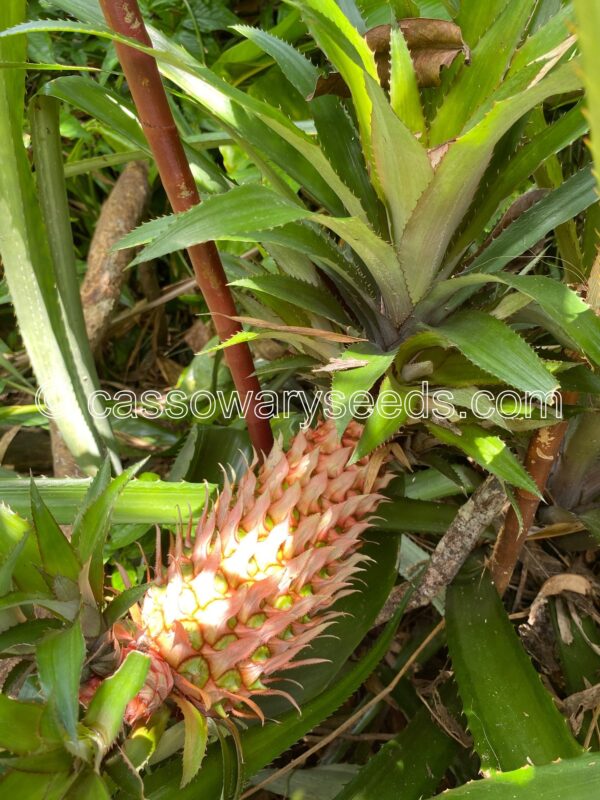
(542, 451)
(124, 17)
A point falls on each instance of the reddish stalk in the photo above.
(124, 17)
(542, 452)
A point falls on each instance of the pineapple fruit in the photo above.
(254, 585)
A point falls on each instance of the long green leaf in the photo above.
(262, 128)
(563, 306)
(489, 451)
(317, 300)
(58, 556)
(566, 309)
(389, 413)
(92, 526)
(575, 195)
(409, 767)
(26, 634)
(60, 658)
(339, 140)
(242, 211)
(29, 266)
(196, 739)
(107, 707)
(29, 786)
(546, 38)
(102, 104)
(475, 18)
(402, 164)
(497, 187)
(511, 359)
(574, 778)
(490, 59)
(299, 71)
(404, 90)
(511, 716)
(352, 385)
(449, 195)
(89, 785)
(151, 502)
(54, 204)
(588, 31)
(20, 725)
(380, 259)
(348, 52)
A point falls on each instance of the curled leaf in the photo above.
(432, 43)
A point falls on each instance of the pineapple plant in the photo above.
(379, 217)
(391, 229)
(244, 594)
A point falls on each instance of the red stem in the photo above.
(544, 447)
(124, 17)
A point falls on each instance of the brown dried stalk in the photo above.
(542, 452)
(124, 17)
(105, 273)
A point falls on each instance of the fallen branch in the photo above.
(124, 17)
(459, 541)
(452, 550)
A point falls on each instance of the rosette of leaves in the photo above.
(404, 229)
(403, 225)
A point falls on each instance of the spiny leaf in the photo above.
(404, 90)
(311, 298)
(60, 658)
(588, 30)
(58, 557)
(510, 358)
(300, 72)
(575, 778)
(457, 177)
(389, 414)
(196, 739)
(21, 725)
(91, 528)
(490, 59)
(497, 187)
(107, 707)
(575, 195)
(241, 212)
(123, 602)
(403, 167)
(352, 385)
(511, 715)
(489, 451)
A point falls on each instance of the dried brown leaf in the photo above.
(329, 336)
(433, 44)
(340, 364)
(556, 585)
